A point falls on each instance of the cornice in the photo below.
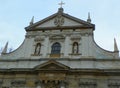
(96, 72)
(60, 28)
(61, 59)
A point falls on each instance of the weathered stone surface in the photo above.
(60, 52)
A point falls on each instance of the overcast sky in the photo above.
(15, 15)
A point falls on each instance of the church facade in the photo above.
(60, 52)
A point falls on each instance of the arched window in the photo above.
(75, 48)
(37, 49)
(56, 47)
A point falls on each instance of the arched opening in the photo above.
(56, 48)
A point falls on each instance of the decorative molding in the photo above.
(75, 54)
(39, 38)
(57, 38)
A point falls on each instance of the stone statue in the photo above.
(75, 48)
(37, 49)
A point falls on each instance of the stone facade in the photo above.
(60, 52)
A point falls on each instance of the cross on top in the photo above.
(61, 4)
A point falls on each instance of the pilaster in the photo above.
(67, 46)
(46, 47)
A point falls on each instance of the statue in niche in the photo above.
(75, 47)
(37, 49)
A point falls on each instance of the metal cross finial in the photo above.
(61, 4)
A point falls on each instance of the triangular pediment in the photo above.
(52, 65)
(60, 20)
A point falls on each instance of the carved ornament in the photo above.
(59, 20)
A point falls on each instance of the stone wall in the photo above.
(70, 81)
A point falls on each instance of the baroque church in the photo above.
(60, 52)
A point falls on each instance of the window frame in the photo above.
(56, 48)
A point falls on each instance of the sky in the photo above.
(15, 15)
